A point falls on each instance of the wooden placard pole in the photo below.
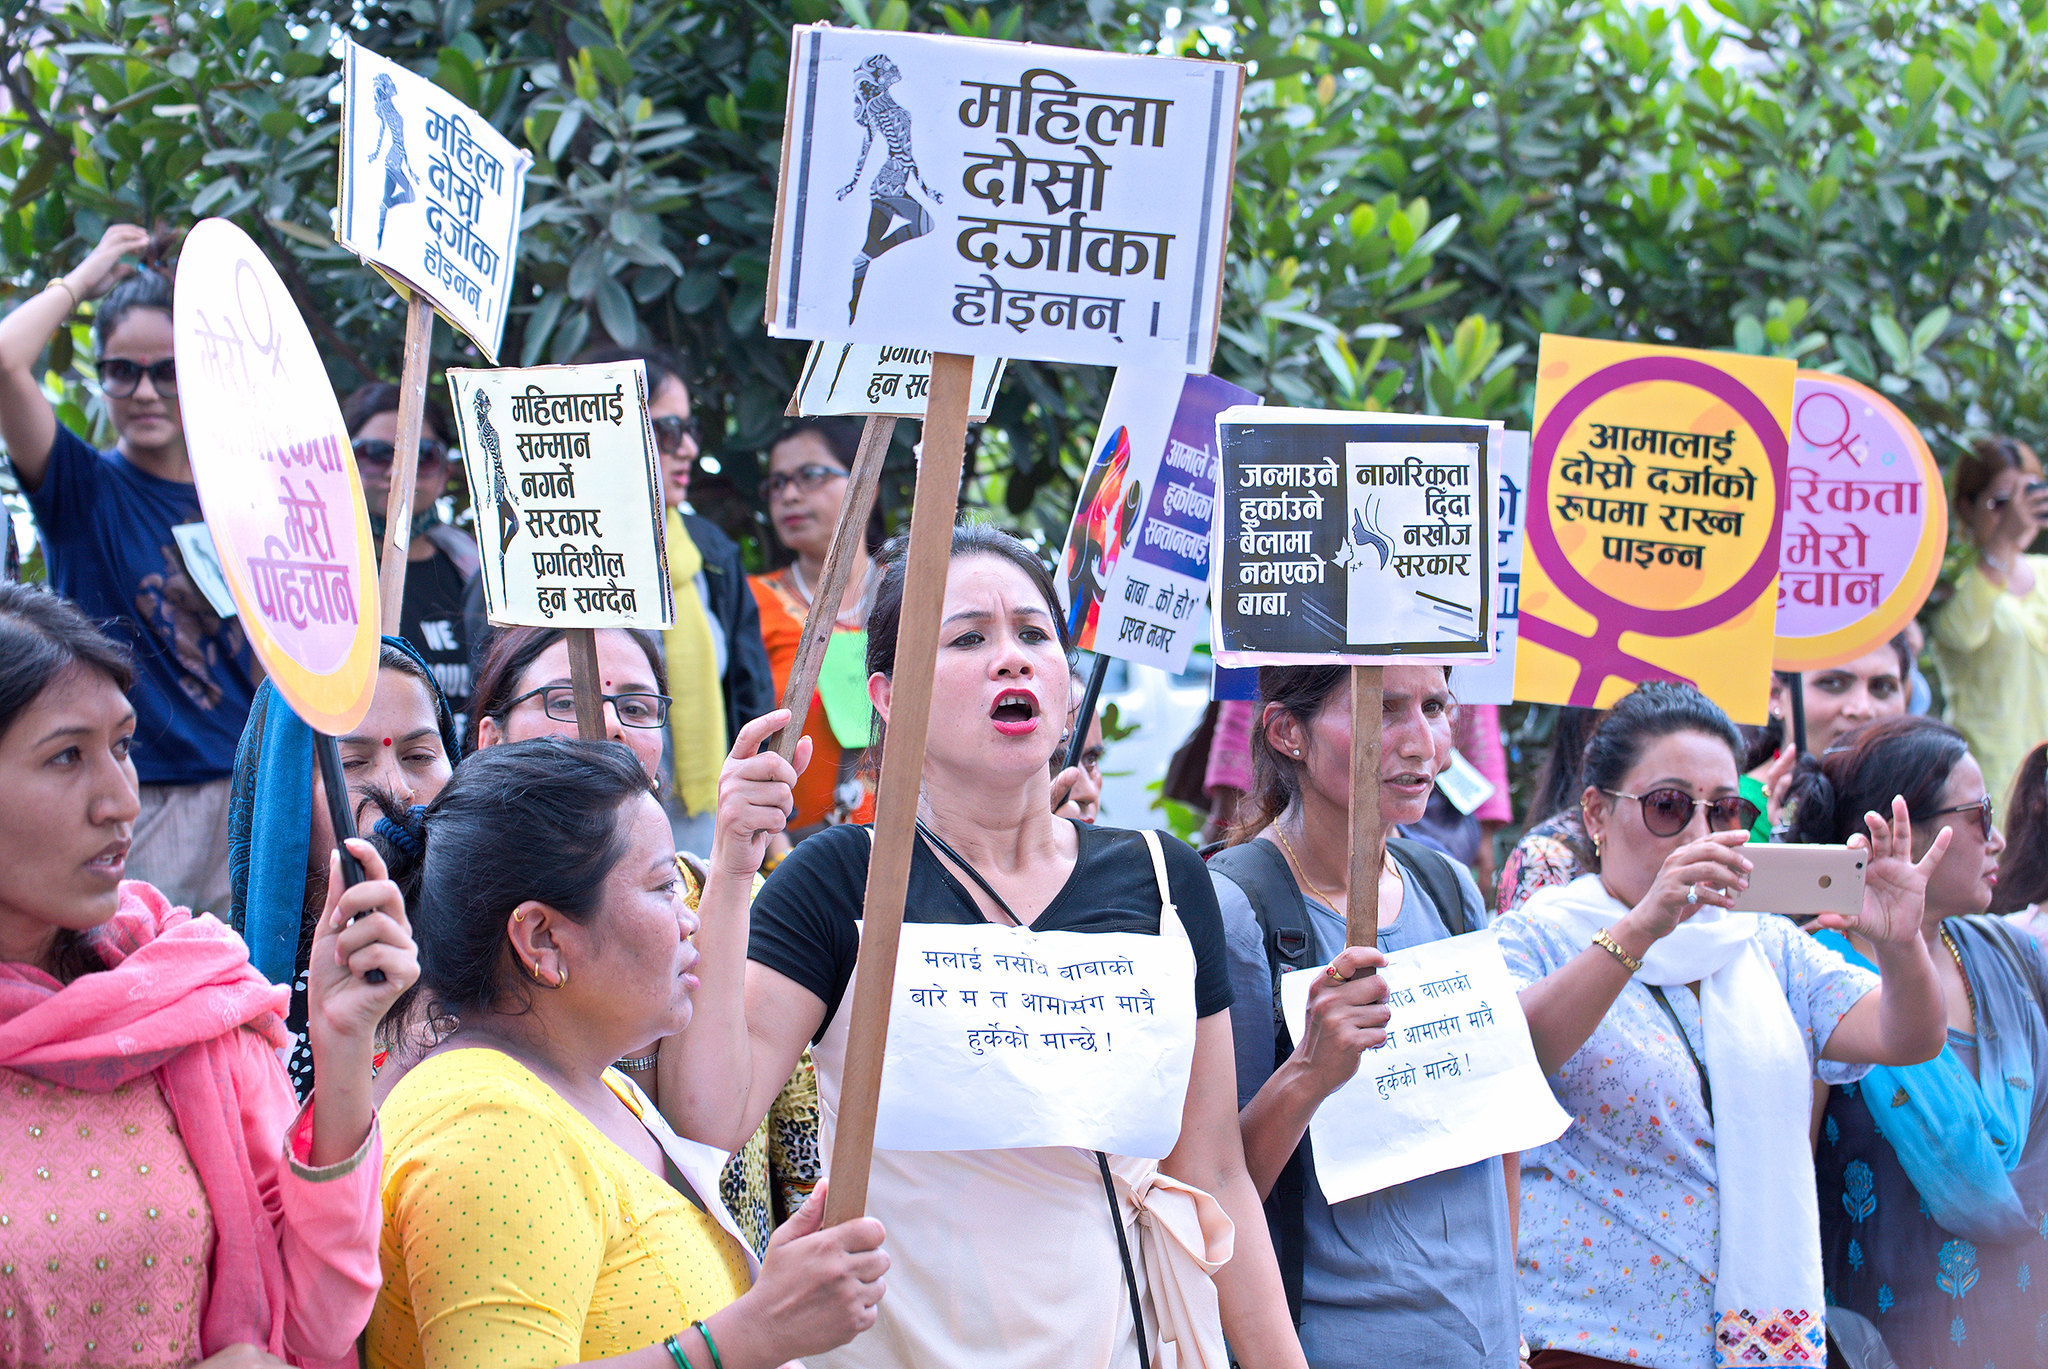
(917, 643)
(1362, 891)
(582, 642)
(861, 483)
(405, 459)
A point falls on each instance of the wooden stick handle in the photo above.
(405, 460)
(1362, 893)
(582, 643)
(861, 484)
(917, 643)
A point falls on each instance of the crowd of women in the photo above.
(543, 1088)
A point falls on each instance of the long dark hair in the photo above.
(1301, 691)
(1557, 781)
(1909, 758)
(511, 651)
(2023, 869)
(537, 820)
(1655, 709)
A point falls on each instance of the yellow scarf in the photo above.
(696, 717)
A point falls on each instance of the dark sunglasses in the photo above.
(669, 432)
(1982, 808)
(376, 452)
(1666, 812)
(119, 376)
(806, 478)
(634, 710)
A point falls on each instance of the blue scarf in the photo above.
(1957, 1135)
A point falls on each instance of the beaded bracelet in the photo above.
(705, 1332)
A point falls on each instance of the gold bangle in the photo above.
(60, 281)
(1613, 948)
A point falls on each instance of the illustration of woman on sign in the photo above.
(500, 487)
(398, 187)
(894, 218)
(1106, 510)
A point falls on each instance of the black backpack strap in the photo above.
(1258, 868)
(1439, 879)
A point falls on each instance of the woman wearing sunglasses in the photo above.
(106, 519)
(1675, 1224)
(1991, 638)
(1934, 1177)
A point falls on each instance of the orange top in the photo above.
(782, 629)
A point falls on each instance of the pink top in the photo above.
(1476, 733)
(1230, 748)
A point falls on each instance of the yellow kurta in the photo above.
(1993, 651)
(517, 1234)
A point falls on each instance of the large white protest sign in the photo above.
(1054, 1039)
(430, 193)
(1352, 537)
(569, 516)
(971, 196)
(860, 379)
(1456, 1082)
(1135, 570)
(1494, 681)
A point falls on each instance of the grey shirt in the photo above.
(1422, 1273)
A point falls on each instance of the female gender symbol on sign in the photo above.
(1599, 655)
(1822, 421)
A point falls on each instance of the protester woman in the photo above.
(1423, 1272)
(105, 518)
(1674, 1224)
(2022, 889)
(523, 691)
(280, 837)
(805, 485)
(1010, 1257)
(1554, 850)
(537, 1209)
(164, 1198)
(1877, 684)
(1934, 1177)
(1991, 638)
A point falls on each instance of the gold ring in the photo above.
(1331, 970)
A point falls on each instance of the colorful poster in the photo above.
(431, 194)
(1494, 681)
(1135, 571)
(979, 197)
(570, 521)
(276, 481)
(1866, 523)
(859, 378)
(1355, 538)
(1656, 488)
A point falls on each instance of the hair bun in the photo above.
(407, 834)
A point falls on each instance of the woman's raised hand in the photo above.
(1894, 884)
(362, 928)
(103, 268)
(1347, 1016)
(756, 795)
(1707, 873)
(818, 1286)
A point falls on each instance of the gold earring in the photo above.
(562, 977)
(519, 917)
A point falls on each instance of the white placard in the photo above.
(1456, 1083)
(972, 196)
(202, 563)
(1463, 785)
(1054, 1039)
(431, 194)
(570, 520)
(1494, 682)
(858, 379)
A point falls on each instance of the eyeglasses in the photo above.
(1666, 812)
(634, 710)
(669, 432)
(374, 452)
(119, 376)
(1982, 808)
(806, 478)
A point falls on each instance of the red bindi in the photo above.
(387, 741)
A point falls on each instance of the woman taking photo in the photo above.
(803, 488)
(1422, 1272)
(1017, 1251)
(164, 1199)
(1675, 1223)
(537, 1210)
(1934, 1177)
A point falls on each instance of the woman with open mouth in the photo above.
(1021, 1252)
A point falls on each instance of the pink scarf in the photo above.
(175, 988)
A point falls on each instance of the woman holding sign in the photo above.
(164, 1198)
(1076, 973)
(1419, 1273)
(1685, 1038)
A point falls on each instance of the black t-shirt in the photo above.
(804, 918)
(431, 619)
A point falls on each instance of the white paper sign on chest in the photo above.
(1457, 1081)
(431, 194)
(567, 483)
(972, 196)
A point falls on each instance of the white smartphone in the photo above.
(1804, 881)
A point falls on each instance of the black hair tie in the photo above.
(401, 836)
